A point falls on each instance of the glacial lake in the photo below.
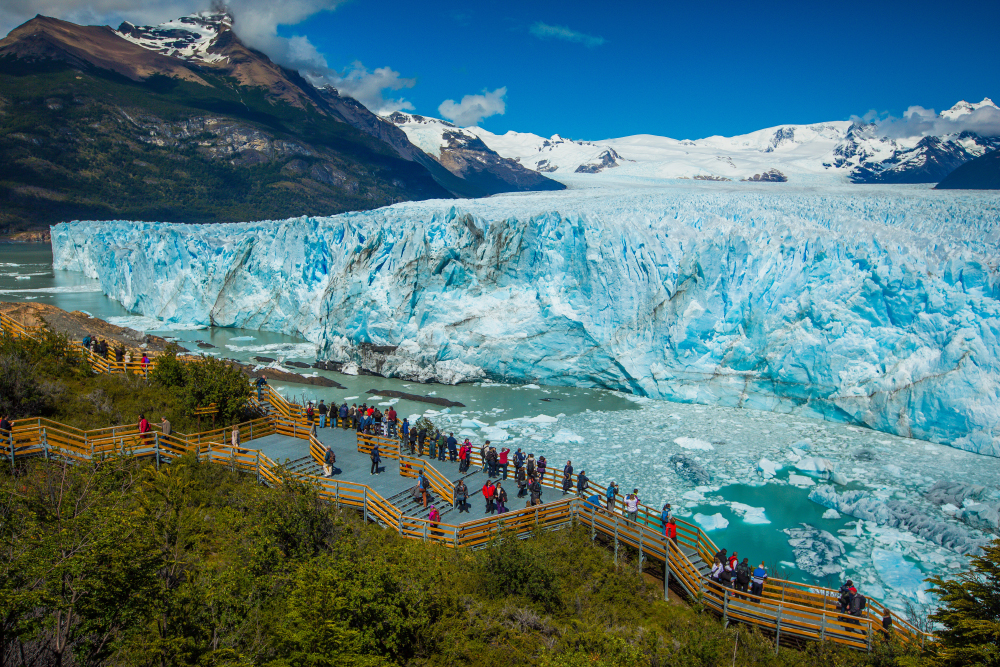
(638, 442)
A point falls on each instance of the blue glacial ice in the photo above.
(876, 306)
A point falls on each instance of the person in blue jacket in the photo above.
(376, 459)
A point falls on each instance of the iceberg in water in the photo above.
(878, 306)
(711, 521)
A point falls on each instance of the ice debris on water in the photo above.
(817, 552)
(831, 514)
(899, 574)
(711, 522)
(877, 307)
(693, 443)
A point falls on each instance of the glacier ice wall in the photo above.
(878, 306)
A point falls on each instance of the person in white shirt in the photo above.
(632, 505)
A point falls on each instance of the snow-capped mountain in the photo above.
(837, 151)
(189, 37)
(464, 154)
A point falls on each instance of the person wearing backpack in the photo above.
(610, 495)
(632, 505)
(743, 576)
(757, 582)
(328, 460)
(518, 460)
(522, 482)
(461, 494)
(567, 480)
(423, 485)
(665, 517)
(582, 484)
(501, 498)
(376, 459)
(858, 604)
(758, 577)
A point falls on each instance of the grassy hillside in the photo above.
(92, 144)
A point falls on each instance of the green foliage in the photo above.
(510, 567)
(169, 370)
(970, 612)
(200, 384)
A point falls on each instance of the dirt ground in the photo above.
(77, 325)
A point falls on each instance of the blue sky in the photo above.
(685, 70)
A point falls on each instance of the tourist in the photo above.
(329, 458)
(530, 463)
(461, 495)
(886, 624)
(567, 481)
(723, 556)
(716, 573)
(522, 481)
(610, 496)
(492, 459)
(452, 448)
(541, 466)
(376, 459)
(759, 577)
(488, 495)
(434, 517)
(310, 413)
(671, 530)
(7, 430)
(726, 578)
(465, 456)
(733, 560)
(322, 410)
(235, 437)
(500, 494)
(843, 602)
(482, 456)
(404, 431)
(143, 429)
(858, 604)
(165, 427)
(421, 438)
(665, 515)
(391, 422)
(442, 446)
(502, 460)
(424, 487)
(343, 413)
(743, 575)
(145, 365)
(535, 489)
(261, 383)
(582, 484)
(632, 505)
(518, 459)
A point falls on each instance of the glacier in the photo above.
(877, 306)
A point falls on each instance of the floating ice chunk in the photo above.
(241, 338)
(750, 514)
(803, 445)
(831, 514)
(466, 433)
(694, 496)
(540, 419)
(893, 470)
(495, 434)
(711, 522)
(839, 478)
(530, 386)
(350, 368)
(564, 436)
(899, 574)
(801, 481)
(815, 464)
(817, 552)
(768, 468)
(693, 443)
(350, 398)
(473, 423)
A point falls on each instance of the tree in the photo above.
(970, 612)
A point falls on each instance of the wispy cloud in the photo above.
(474, 108)
(369, 87)
(546, 31)
(918, 121)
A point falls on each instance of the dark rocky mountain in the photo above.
(981, 173)
(929, 161)
(184, 122)
(466, 156)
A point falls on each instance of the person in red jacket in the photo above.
(672, 530)
(503, 460)
(143, 429)
(488, 495)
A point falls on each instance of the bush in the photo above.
(202, 383)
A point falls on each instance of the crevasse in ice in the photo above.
(876, 306)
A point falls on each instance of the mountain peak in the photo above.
(962, 108)
(188, 37)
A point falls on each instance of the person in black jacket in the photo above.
(582, 483)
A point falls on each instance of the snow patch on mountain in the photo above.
(188, 37)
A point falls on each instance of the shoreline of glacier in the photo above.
(881, 308)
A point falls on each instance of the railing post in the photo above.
(425, 529)
(822, 631)
(156, 439)
(616, 541)
(777, 635)
(366, 504)
(666, 575)
(258, 466)
(251, 430)
(725, 608)
(640, 551)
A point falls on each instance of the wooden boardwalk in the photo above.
(282, 445)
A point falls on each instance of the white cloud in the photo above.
(474, 108)
(368, 87)
(546, 31)
(918, 121)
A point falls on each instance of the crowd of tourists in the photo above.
(122, 356)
